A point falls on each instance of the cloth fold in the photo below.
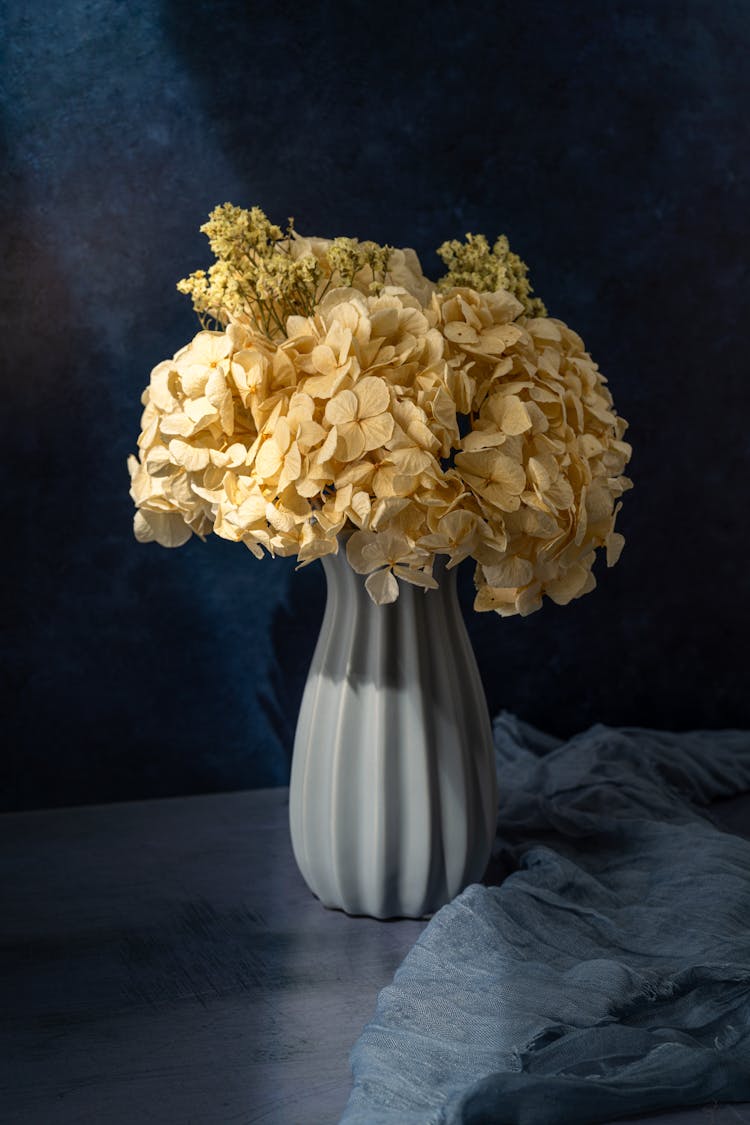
(607, 974)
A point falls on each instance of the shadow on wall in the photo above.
(319, 128)
(293, 634)
(122, 678)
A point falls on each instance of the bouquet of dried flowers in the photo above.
(337, 396)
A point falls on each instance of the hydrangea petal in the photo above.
(166, 528)
(382, 587)
(373, 397)
(376, 431)
(342, 408)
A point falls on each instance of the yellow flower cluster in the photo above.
(472, 264)
(262, 275)
(407, 422)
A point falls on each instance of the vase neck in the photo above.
(339, 572)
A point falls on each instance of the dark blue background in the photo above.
(608, 140)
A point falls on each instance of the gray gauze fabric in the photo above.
(608, 974)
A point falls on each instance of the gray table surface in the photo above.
(163, 961)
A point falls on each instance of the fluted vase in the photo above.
(393, 793)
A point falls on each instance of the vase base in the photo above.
(378, 917)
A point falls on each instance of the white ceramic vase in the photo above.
(393, 794)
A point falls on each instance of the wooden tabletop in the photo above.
(163, 961)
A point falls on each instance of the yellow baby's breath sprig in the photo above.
(262, 275)
(348, 258)
(473, 264)
(255, 277)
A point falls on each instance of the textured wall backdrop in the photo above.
(607, 140)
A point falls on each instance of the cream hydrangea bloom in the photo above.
(360, 418)
(407, 423)
(545, 456)
(190, 436)
(360, 363)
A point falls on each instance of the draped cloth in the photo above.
(609, 971)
